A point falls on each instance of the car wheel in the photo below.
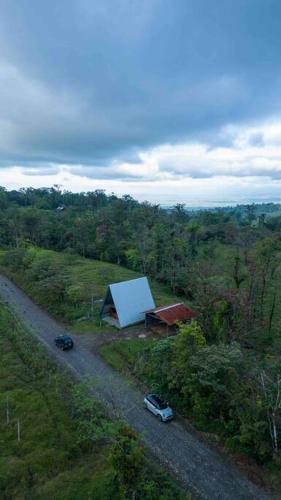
(159, 418)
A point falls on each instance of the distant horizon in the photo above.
(195, 204)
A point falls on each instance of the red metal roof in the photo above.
(173, 313)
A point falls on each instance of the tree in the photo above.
(214, 379)
(188, 341)
(3, 198)
(268, 258)
(238, 274)
(271, 395)
(154, 364)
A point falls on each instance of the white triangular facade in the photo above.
(131, 299)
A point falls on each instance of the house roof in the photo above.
(131, 299)
(173, 313)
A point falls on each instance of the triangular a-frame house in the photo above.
(126, 302)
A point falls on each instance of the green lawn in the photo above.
(123, 354)
(98, 275)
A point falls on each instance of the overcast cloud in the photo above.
(123, 94)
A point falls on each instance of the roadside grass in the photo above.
(47, 461)
(85, 283)
(61, 453)
(123, 354)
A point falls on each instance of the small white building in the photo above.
(126, 302)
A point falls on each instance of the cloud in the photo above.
(130, 93)
(253, 152)
(88, 83)
(41, 171)
(250, 152)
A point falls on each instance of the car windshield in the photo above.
(159, 402)
(64, 339)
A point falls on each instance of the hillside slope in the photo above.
(69, 286)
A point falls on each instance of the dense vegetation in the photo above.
(224, 371)
(67, 447)
(222, 387)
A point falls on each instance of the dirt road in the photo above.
(202, 470)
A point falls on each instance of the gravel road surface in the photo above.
(202, 470)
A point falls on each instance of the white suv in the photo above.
(162, 410)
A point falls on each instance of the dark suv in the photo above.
(64, 342)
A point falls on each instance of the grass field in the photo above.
(47, 462)
(61, 453)
(85, 284)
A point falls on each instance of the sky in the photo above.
(166, 100)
